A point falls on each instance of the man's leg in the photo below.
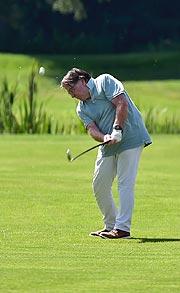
(104, 174)
(127, 171)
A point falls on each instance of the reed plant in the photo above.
(8, 121)
(30, 115)
(159, 121)
(33, 117)
(25, 113)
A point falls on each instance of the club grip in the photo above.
(105, 142)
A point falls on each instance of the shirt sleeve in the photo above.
(112, 87)
(82, 115)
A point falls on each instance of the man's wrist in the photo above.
(117, 133)
(117, 127)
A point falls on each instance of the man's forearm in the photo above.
(121, 116)
(94, 131)
(121, 110)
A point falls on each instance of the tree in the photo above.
(88, 26)
(76, 7)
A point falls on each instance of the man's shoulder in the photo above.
(102, 80)
(103, 76)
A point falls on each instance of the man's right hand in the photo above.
(108, 137)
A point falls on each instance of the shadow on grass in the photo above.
(154, 240)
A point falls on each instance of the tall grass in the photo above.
(159, 121)
(30, 115)
(25, 113)
(33, 117)
(71, 125)
(8, 121)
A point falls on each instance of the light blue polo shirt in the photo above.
(101, 110)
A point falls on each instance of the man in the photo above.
(109, 114)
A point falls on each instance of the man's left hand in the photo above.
(116, 135)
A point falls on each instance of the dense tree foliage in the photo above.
(83, 26)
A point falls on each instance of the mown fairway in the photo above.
(47, 211)
(47, 208)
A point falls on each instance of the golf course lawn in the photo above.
(47, 210)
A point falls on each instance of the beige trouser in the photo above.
(125, 166)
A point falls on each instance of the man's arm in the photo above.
(121, 115)
(94, 131)
(121, 110)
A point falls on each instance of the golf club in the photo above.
(68, 153)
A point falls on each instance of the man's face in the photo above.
(78, 90)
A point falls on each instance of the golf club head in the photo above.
(68, 153)
(70, 159)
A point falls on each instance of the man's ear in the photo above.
(83, 81)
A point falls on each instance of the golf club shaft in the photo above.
(96, 146)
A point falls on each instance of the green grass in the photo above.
(47, 208)
(157, 94)
(152, 80)
(47, 211)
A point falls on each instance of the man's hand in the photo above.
(114, 137)
(117, 135)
